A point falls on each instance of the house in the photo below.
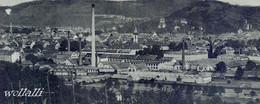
(70, 62)
(8, 48)
(57, 45)
(228, 50)
(63, 70)
(107, 57)
(203, 65)
(27, 64)
(9, 55)
(74, 55)
(172, 77)
(153, 65)
(115, 66)
(233, 65)
(167, 65)
(255, 57)
(178, 66)
(251, 74)
(225, 57)
(190, 55)
(137, 67)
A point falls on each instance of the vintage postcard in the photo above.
(129, 51)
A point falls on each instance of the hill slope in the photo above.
(216, 17)
(77, 13)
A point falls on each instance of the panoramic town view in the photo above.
(129, 52)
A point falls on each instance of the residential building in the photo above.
(190, 55)
(9, 55)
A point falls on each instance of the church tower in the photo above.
(162, 23)
(135, 40)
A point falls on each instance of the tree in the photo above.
(117, 84)
(179, 79)
(212, 91)
(38, 46)
(250, 102)
(51, 48)
(221, 67)
(153, 84)
(252, 93)
(189, 89)
(211, 43)
(239, 73)
(172, 46)
(205, 90)
(155, 50)
(63, 45)
(94, 95)
(32, 58)
(221, 90)
(258, 44)
(13, 74)
(179, 46)
(198, 88)
(237, 91)
(250, 65)
(159, 86)
(109, 83)
(217, 51)
(215, 100)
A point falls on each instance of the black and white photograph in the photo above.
(129, 51)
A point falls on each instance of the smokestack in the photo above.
(183, 55)
(68, 41)
(11, 28)
(93, 53)
(80, 58)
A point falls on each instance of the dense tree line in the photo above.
(154, 50)
(74, 45)
(240, 45)
(14, 77)
(34, 59)
(177, 47)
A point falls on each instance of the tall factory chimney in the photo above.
(183, 55)
(80, 49)
(68, 41)
(8, 12)
(93, 53)
(11, 28)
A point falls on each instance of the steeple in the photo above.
(135, 40)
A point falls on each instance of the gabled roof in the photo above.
(236, 63)
(146, 57)
(6, 52)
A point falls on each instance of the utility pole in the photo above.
(12, 100)
(73, 89)
(20, 90)
(25, 98)
(142, 98)
(61, 98)
(106, 93)
(41, 87)
(48, 84)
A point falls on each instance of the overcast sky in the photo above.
(234, 2)
(12, 2)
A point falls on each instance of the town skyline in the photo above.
(199, 52)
